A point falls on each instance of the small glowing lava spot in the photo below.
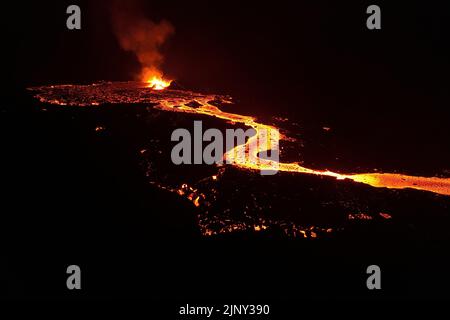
(214, 177)
(385, 215)
(359, 216)
(281, 119)
(196, 201)
(143, 151)
(208, 233)
(326, 128)
(99, 129)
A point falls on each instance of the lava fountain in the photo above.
(157, 83)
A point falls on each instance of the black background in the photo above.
(64, 201)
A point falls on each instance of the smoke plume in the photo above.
(140, 35)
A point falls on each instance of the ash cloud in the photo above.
(140, 35)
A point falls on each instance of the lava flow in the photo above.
(386, 180)
(181, 101)
(157, 83)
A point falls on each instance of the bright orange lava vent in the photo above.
(158, 83)
(179, 101)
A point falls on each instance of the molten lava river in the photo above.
(297, 201)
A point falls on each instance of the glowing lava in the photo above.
(254, 162)
(180, 101)
(158, 83)
(154, 79)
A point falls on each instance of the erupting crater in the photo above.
(166, 99)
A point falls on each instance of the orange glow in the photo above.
(196, 201)
(157, 83)
(254, 162)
